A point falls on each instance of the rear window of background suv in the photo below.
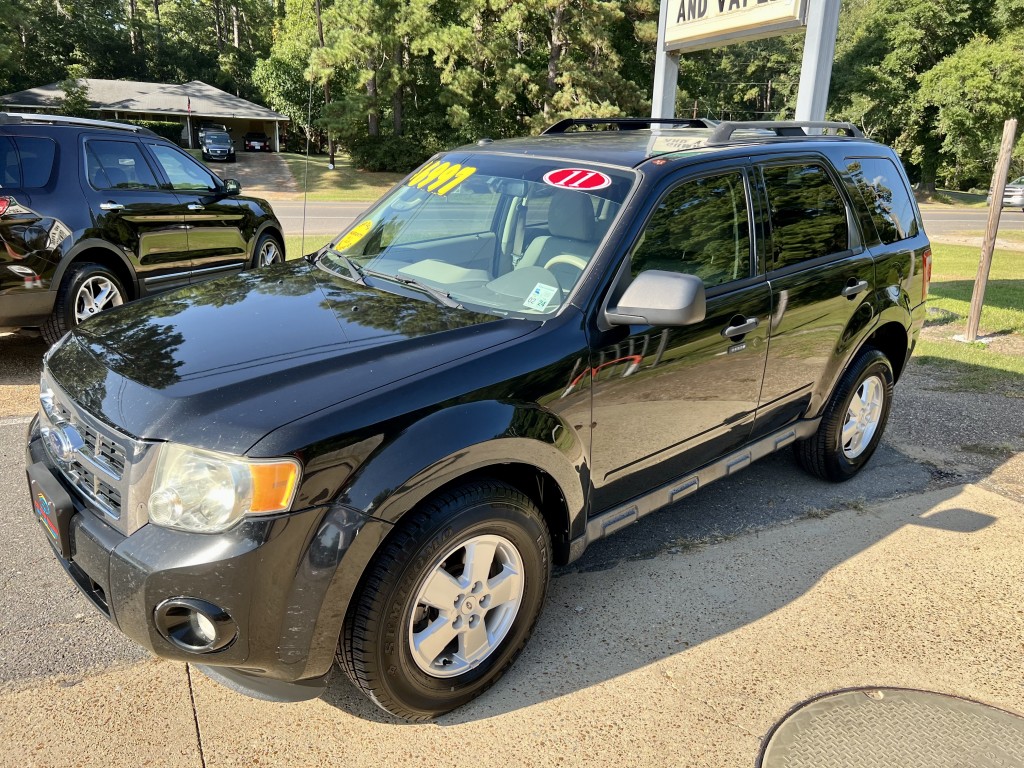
(26, 162)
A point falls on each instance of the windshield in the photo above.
(217, 138)
(505, 235)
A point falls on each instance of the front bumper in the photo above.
(275, 578)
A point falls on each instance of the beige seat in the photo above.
(571, 224)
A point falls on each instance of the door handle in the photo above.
(108, 206)
(741, 328)
(196, 207)
(853, 288)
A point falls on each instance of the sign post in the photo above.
(666, 72)
(819, 51)
(988, 245)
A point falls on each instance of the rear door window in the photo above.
(808, 213)
(26, 162)
(890, 209)
(117, 165)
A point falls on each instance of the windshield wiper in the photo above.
(441, 297)
(355, 272)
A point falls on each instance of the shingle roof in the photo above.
(160, 98)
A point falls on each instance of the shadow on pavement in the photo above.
(592, 633)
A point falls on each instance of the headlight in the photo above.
(208, 492)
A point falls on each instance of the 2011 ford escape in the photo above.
(377, 453)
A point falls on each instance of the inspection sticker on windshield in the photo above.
(357, 233)
(540, 297)
(577, 178)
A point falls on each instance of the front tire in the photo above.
(853, 421)
(449, 602)
(86, 290)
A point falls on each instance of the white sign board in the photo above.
(693, 25)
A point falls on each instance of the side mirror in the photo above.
(656, 297)
(232, 187)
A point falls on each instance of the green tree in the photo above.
(972, 93)
(76, 101)
(884, 48)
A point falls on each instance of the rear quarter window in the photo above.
(889, 208)
(26, 162)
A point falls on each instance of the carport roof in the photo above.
(151, 98)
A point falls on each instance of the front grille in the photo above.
(95, 486)
(103, 461)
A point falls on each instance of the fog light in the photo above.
(194, 625)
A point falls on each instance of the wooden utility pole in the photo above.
(988, 245)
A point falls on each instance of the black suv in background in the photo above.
(377, 453)
(94, 214)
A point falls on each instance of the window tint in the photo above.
(880, 184)
(700, 228)
(10, 170)
(117, 165)
(36, 160)
(26, 161)
(454, 215)
(808, 214)
(182, 170)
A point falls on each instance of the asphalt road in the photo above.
(331, 218)
(940, 221)
(319, 217)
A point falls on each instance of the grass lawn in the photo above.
(343, 184)
(952, 197)
(998, 365)
(295, 248)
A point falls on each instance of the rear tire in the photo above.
(268, 251)
(853, 421)
(86, 290)
(449, 602)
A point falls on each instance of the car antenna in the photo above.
(305, 170)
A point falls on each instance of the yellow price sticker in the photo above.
(441, 178)
(356, 234)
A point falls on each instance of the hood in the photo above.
(221, 364)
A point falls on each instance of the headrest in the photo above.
(571, 215)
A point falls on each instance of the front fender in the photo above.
(465, 438)
(419, 460)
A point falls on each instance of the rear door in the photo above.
(217, 231)
(133, 211)
(822, 279)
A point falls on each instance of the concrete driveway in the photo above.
(258, 172)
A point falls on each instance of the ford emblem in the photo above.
(64, 442)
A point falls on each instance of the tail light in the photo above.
(926, 271)
(5, 203)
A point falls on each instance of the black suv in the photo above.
(378, 452)
(94, 214)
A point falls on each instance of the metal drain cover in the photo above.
(894, 728)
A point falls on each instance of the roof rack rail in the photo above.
(627, 123)
(724, 131)
(9, 118)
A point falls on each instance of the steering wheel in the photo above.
(565, 258)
